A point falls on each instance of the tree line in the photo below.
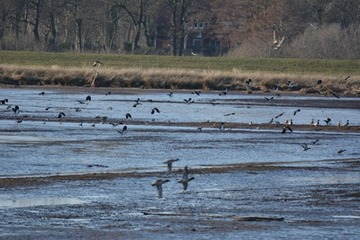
(259, 28)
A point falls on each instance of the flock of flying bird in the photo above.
(186, 179)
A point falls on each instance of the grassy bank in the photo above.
(191, 72)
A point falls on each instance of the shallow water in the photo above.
(311, 202)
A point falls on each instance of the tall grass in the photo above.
(116, 61)
(192, 72)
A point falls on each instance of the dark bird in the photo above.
(318, 82)
(88, 98)
(158, 184)
(155, 110)
(4, 101)
(16, 109)
(136, 104)
(279, 115)
(286, 128)
(249, 81)
(341, 151)
(123, 130)
(169, 164)
(327, 121)
(296, 111)
(189, 100)
(305, 146)
(225, 92)
(268, 99)
(196, 92)
(185, 179)
(128, 115)
(42, 93)
(97, 63)
(222, 126)
(61, 114)
(315, 141)
(108, 93)
(228, 114)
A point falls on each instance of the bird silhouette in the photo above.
(305, 146)
(327, 121)
(279, 115)
(185, 179)
(88, 98)
(16, 109)
(3, 101)
(296, 111)
(286, 128)
(169, 164)
(268, 99)
(42, 93)
(341, 151)
(158, 184)
(196, 92)
(155, 110)
(128, 115)
(61, 114)
(124, 129)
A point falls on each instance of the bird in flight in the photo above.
(305, 146)
(155, 110)
(296, 111)
(124, 129)
(185, 179)
(169, 164)
(61, 114)
(158, 184)
(128, 115)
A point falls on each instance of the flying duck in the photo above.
(169, 164)
(185, 179)
(123, 130)
(158, 184)
(155, 110)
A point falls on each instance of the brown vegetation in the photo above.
(178, 79)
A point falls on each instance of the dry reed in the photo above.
(179, 79)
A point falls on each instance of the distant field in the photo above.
(339, 77)
(115, 61)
